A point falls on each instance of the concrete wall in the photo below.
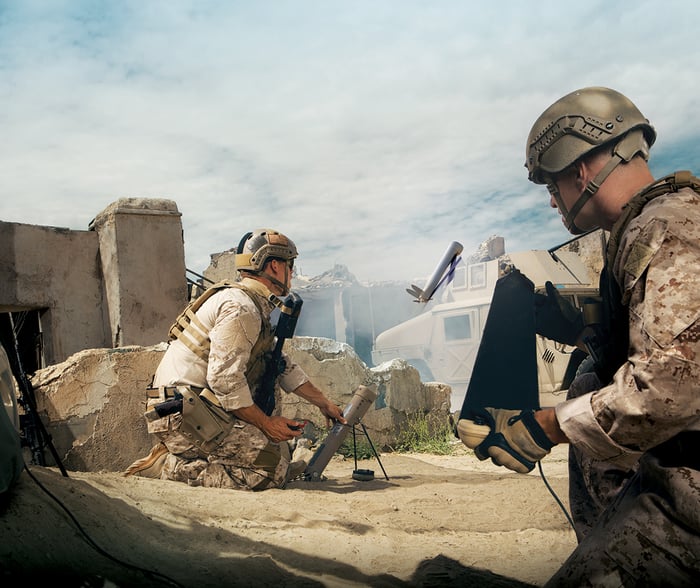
(143, 268)
(120, 283)
(58, 272)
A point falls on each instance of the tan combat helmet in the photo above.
(257, 247)
(577, 124)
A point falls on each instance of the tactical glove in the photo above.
(556, 318)
(514, 439)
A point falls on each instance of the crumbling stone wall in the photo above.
(337, 370)
(93, 403)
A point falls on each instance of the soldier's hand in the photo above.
(333, 413)
(556, 318)
(514, 440)
(278, 429)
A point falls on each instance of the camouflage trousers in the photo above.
(638, 527)
(650, 534)
(245, 460)
(593, 484)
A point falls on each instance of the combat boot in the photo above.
(150, 466)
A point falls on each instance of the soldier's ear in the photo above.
(269, 263)
(580, 173)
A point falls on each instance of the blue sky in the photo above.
(373, 133)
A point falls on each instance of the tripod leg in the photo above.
(354, 446)
(379, 461)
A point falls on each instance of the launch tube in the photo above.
(354, 411)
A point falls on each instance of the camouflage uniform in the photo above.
(635, 484)
(245, 459)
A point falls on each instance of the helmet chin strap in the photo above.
(570, 215)
(625, 150)
(276, 282)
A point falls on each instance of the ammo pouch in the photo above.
(204, 423)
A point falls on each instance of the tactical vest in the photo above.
(190, 331)
(614, 344)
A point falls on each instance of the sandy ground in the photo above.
(437, 521)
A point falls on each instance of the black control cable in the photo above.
(556, 498)
(150, 573)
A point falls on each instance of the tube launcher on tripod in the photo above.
(354, 411)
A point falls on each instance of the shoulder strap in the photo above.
(670, 183)
(197, 339)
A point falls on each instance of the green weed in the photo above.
(426, 433)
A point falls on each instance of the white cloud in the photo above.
(373, 133)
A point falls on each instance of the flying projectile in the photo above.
(443, 271)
